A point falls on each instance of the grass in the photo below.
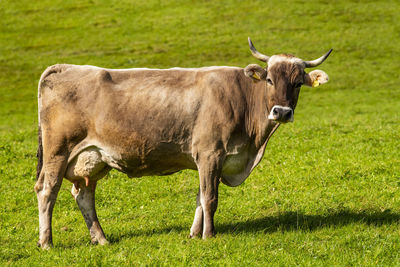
(326, 192)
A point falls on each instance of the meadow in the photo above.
(326, 192)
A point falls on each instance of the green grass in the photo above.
(326, 192)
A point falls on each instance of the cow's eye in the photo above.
(269, 81)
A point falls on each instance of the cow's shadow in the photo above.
(294, 221)
(283, 222)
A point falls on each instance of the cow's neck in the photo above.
(258, 126)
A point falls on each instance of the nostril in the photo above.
(288, 115)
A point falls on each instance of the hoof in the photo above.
(208, 235)
(45, 246)
(103, 242)
(100, 242)
(193, 236)
(195, 232)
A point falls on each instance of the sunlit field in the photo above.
(327, 190)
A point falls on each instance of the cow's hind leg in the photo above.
(84, 171)
(47, 187)
(197, 226)
(84, 195)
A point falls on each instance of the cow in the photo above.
(142, 122)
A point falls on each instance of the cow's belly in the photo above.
(93, 159)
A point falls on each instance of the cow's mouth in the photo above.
(281, 114)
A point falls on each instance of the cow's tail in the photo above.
(39, 154)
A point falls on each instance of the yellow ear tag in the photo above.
(255, 76)
(315, 83)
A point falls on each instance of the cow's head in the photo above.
(283, 76)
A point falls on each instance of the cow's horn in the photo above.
(316, 62)
(257, 54)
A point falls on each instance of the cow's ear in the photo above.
(315, 78)
(255, 72)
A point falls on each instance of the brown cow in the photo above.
(216, 120)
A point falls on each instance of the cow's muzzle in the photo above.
(281, 114)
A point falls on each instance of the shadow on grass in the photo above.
(150, 232)
(284, 222)
(294, 221)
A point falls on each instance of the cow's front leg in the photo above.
(209, 171)
(84, 194)
(197, 226)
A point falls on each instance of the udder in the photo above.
(87, 165)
